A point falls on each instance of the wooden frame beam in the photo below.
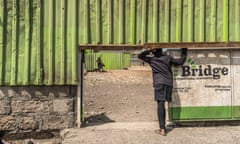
(195, 45)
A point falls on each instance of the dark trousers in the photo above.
(161, 114)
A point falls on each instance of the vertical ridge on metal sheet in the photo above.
(190, 21)
(98, 21)
(173, 19)
(232, 17)
(38, 41)
(161, 21)
(196, 21)
(237, 20)
(144, 21)
(115, 21)
(202, 21)
(179, 21)
(219, 22)
(26, 69)
(8, 53)
(33, 41)
(86, 21)
(41, 48)
(70, 58)
(138, 27)
(155, 20)
(1, 40)
(48, 44)
(59, 39)
(92, 21)
(121, 21)
(71, 75)
(8, 41)
(167, 19)
(14, 43)
(213, 21)
(20, 41)
(63, 40)
(75, 50)
(133, 21)
(110, 21)
(225, 20)
(149, 21)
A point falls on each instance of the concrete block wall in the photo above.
(37, 108)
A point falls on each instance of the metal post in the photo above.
(80, 107)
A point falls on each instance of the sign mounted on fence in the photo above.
(203, 86)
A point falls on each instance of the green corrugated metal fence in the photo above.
(39, 38)
(38, 42)
(146, 21)
(111, 60)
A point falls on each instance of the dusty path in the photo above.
(119, 95)
(143, 133)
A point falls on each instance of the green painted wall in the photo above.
(203, 113)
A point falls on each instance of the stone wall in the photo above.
(37, 108)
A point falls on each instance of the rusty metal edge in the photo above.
(190, 45)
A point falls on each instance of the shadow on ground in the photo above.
(96, 120)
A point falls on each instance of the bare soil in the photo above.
(119, 95)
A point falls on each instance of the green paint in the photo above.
(74, 54)
(201, 112)
(236, 112)
(133, 21)
(237, 20)
(30, 46)
(38, 36)
(121, 22)
(48, 38)
(190, 20)
(26, 45)
(86, 21)
(1, 40)
(144, 21)
(38, 42)
(155, 20)
(202, 21)
(98, 21)
(225, 20)
(167, 21)
(13, 45)
(213, 21)
(179, 21)
(110, 21)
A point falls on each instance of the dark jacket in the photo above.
(162, 66)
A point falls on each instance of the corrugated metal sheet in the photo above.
(39, 38)
(111, 60)
(150, 21)
(38, 42)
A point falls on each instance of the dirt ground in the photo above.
(119, 95)
(143, 133)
